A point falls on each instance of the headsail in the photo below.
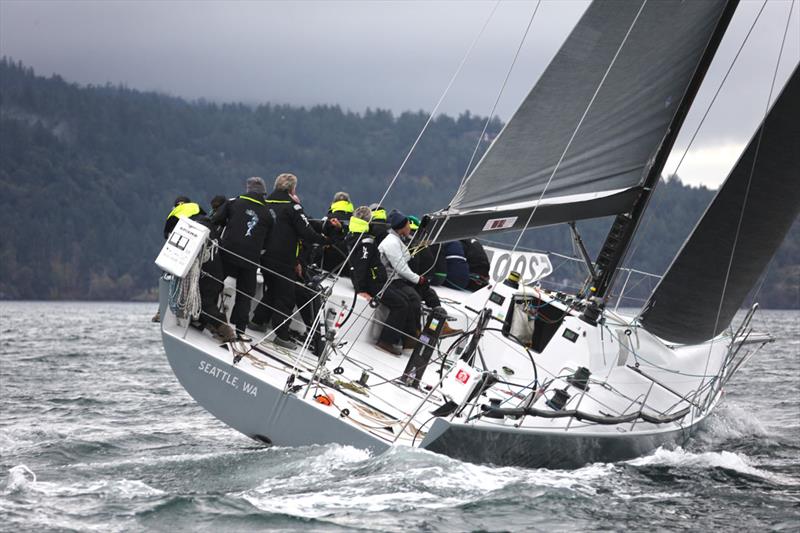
(685, 306)
(653, 50)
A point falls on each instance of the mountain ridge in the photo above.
(88, 175)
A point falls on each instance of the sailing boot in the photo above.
(391, 348)
(255, 326)
(447, 331)
(284, 343)
(224, 332)
(409, 343)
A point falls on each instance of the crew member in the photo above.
(212, 274)
(428, 261)
(335, 253)
(290, 224)
(378, 223)
(457, 267)
(478, 263)
(247, 224)
(395, 257)
(369, 277)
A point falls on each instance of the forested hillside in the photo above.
(87, 175)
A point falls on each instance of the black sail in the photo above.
(684, 307)
(603, 169)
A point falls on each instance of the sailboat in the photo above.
(541, 378)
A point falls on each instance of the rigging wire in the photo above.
(499, 95)
(414, 145)
(747, 191)
(580, 123)
(649, 219)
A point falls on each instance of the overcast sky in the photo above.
(395, 55)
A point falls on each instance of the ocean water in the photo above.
(96, 434)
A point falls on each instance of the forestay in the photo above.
(633, 62)
(698, 296)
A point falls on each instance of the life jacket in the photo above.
(342, 206)
(379, 215)
(358, 226)
(185, 210)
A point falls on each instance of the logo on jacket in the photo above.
(251, 223)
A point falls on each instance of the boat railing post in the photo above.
(475, 401)
(644, 402)
(622, 292)
(580, 399)
(423, 402)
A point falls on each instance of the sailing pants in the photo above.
(413, 303)
(396, 322)
(427, 294)
(210, 288)
(279, 297)
(302, 295)
(245, 289)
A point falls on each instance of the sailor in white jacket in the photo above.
(414, 287)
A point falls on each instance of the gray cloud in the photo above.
(396, 55)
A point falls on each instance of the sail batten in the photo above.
(628, 110)
(699, 295)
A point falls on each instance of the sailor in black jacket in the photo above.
(247, 224)
(335, 253)
(478, 262)
(289, 226)
(210, 283)
(379, 226)
(369, 276)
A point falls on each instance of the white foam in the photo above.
(732, 421)
(724, 459)
(343, 478)
(19, 479)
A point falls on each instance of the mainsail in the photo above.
(633, 62)
(698, 296)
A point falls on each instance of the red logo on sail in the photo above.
(462, 376)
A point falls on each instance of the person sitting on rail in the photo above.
(414, 287)
(369, 279)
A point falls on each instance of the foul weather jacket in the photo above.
(395, 258)
(247, 225)
(289, 226)
(368, 273)
(187, 210)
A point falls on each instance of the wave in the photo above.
(725, 460)
(338, 479)
(23, 479)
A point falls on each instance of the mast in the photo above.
(624, 227)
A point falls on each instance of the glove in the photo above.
(423, 281)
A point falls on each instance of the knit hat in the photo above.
(397, 219)
(256, 185)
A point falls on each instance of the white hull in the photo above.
(253, 398)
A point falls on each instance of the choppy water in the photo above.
(90, 407)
